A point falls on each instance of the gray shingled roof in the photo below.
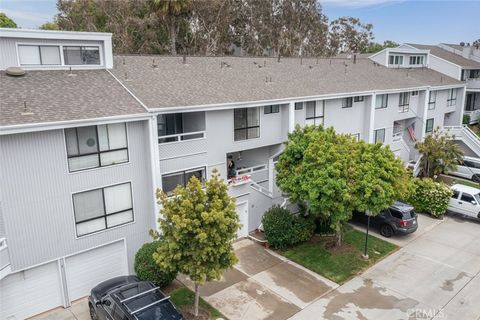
(449, 56)
(53, 96)
(202, 80)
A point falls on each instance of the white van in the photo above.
(465, 200)
(469, 169)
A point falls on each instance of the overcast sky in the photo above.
(416, 21)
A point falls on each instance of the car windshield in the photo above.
(477, 197)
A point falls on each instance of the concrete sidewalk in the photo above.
(263, 285)
(434, 276)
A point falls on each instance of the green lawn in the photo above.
(184, 297)
(453, 180)
(339, 265)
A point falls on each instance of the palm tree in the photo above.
(171, 10)
(440, 154)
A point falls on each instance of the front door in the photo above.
(242, 210)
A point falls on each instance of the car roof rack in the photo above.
(149, 305)
(123, 301)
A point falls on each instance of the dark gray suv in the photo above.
(128, 298)
(400, 218)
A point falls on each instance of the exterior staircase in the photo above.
(464, 134)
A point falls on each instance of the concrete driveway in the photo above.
(263, 285)
(436, 275)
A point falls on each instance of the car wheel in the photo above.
(93, 314)
(386, 230)
(476, 178)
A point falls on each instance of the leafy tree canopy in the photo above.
(376, 47)
(333, 174)
(440, 154)
(6, 22)
(197, 227)
(49, 26)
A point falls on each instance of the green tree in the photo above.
(440, 154)
(376, 47)
(6, 22)
(171, 11)
(380, 178)
(317, 169)
(197, 225)
(349, 34)
(49, 26)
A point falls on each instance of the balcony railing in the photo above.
(187, 136)
(473, 83)
(474, 115)
(251, 170)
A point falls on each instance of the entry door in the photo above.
(242, 210)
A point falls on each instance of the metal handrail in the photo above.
(261, 189)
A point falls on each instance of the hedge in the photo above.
(283, 229)
(147, 269)
(428, 196)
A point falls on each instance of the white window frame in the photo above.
(62, 59)
(432, 103)
(397, 60)
(106, 229)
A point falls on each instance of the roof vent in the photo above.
(15, 71)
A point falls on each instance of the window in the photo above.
(358, 99)
(429, 126)
(347, 102)
(246, 123)
(395, 60)
(382, 101)
(315, 112)
(471, 102)
(96, 146)
(467, 198)
(452, 97)
(432, 99)
(181, 178)
(416, 60)
(455, 194)
(379, 136)
(39, 55)
(474, 74)
(271, 109)
(103, 208)
(298, 105)
(81, 55)
(414, 93)
(404, 102)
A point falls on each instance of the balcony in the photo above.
(181, 134)
(473, 84)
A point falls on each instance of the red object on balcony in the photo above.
(411, 132)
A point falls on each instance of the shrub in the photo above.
(466, 119)
(147, 269)
(428, 196)
(283, 229)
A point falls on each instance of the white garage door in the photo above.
(26, 293)
(85, 270)
(242, 210)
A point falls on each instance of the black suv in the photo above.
(128, 298)
(398, 219)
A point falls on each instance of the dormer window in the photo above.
(395, 60)
(39, 55)
(81, 55)
(416, 60)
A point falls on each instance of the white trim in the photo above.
(44, 126)
(53, 34)
(183, 155)
(185, 169)
(70, 255)
(106, 229)
(62, 65)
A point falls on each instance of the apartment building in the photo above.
(461, 63)
(86, 137)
